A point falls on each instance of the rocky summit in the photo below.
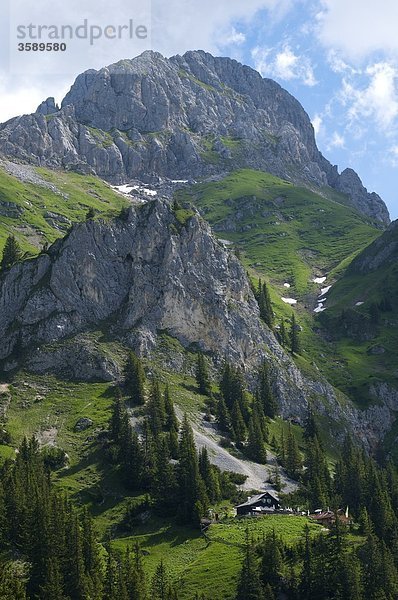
(188, 116)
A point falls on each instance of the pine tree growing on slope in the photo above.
(202, 376)
(12, 253)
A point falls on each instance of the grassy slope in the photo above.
(76, 194)
(289, 234)
(41, 403)
(369, 288)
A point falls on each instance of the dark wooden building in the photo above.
(267, 502)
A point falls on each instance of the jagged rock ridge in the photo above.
(187, 116)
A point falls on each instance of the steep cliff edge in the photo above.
(185, 117)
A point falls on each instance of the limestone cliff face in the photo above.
(130, 279)
(184, 117)
(146, 273)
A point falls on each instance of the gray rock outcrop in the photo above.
(187, 116)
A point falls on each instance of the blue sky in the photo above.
(338, 57)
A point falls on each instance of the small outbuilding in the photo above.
(266, 502)
(328, 517)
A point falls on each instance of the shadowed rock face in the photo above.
(383, 252)
(187, 116)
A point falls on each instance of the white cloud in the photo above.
(393, 155)
(377, 100)
(317, 124)
(233, 37)
(180, 25)
(336, 141)
(283, 64)
(338, 65)
(358, 28)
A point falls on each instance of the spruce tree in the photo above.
(52, 588)
(283, 336)
(293, 461)
(202, 376)
(307, 573)
(249, 584)
(12, 253)
(238, 424)
(310, 427)
(160, 583)
(223, 416)
(255, 442)
(164, 485)
(12, 586)
(271, 560)
(264, 304)
(135, 379)
(156, 409)
(209, 476)
(193, 500)
(265, 393)
(171, 421)
(294, 336)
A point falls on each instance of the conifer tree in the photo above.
(202, 376)
(160, 583)
(310, 427)
(223, 416)
(255, 442)
(76, 581)
(294, 336)
(293, 461)
(171, 424)
(12, 253)
(307, 574)
(249, 584)
(92, 556)
(317, 476)
(90, 214)
(238, 424)
(193, 500)
(265, 393)
(209, 476)
(283, 336)
(171, 421)
(52, 588)
(164, 485)
(12, 587)
(271, 560)
(264, 304)
(135, 379)
(156, 409)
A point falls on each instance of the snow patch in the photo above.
(319, 280)
(359, 303)
(124, 189)
(149, 192)
(286, 285)
(290, 301)
(319, 308)
(325, 290)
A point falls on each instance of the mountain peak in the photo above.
(188, 116)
